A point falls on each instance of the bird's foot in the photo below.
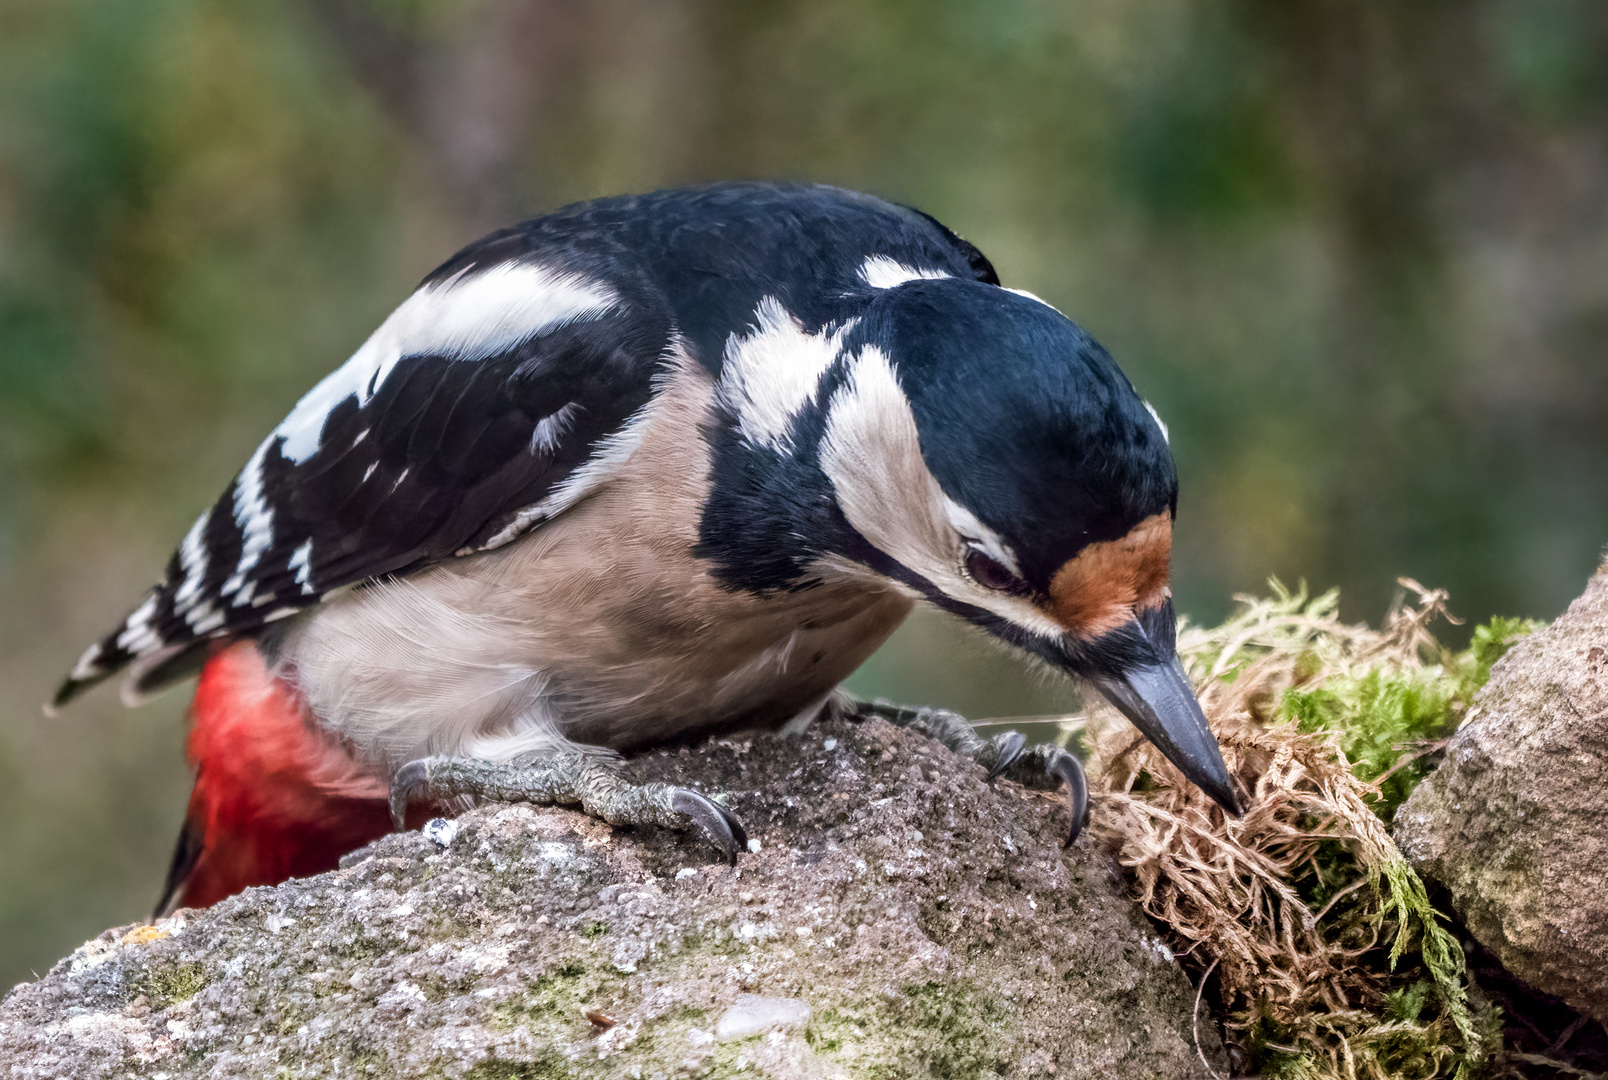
(1006, 754)
(567, 779)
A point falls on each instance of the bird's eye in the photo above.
(991, 574)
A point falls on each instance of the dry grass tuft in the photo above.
(1330, 961)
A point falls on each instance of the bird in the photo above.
(640, 471)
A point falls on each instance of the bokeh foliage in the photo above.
(1355, 251)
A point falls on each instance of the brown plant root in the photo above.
(1329, 959)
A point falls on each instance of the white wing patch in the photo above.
(204, 618)
(301, 561)
(256, 520)
(769, 375)
(138, 635)
(882, 272)
(468, 317)
(193, 558)
(872, 453)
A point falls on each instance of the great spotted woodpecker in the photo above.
(645, 469)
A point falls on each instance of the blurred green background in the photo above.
(1355, 252)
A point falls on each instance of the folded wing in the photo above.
(459, 425)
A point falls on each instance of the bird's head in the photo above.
(989, 455)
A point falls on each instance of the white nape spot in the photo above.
(871, 452)
(1162, 424)
(550, 430)
(882, 272)
(193, 558)
(770, 374)
(255, 518)
(137, 635)
(1034, 296)
(301, 562)
(990, 542)
(468, 317)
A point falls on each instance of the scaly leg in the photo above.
(566, 779)
(1005, 754)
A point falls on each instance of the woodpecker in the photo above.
(644, 470)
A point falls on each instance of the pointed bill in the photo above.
(1158, 700)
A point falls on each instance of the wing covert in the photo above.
(443, 435)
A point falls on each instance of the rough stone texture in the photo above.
(902, 918)
(1515, 823)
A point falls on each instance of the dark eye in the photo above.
(990, 574)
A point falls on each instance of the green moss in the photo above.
(170, 985)
(288, 1017)
(594, 930)
(555, 996)
(1387, 712)
(953, 1028)
(547, 1066)
(830, 1028)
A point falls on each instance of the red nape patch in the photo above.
(274, 797)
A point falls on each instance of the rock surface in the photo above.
(1515, 822)
(901, 918)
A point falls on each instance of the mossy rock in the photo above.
(931, 923)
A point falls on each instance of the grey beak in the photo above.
(1157, 698)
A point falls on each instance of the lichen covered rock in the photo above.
(1513, 824)
(901, 918)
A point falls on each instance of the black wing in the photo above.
(452, 430)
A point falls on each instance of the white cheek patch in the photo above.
(769, 375)
(468, 317)
(872, 454)
(881, 272)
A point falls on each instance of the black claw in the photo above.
(1069, 770)
(718, 823)
(1008, 747)
(410, 780)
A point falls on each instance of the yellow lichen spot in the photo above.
(143, 935)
